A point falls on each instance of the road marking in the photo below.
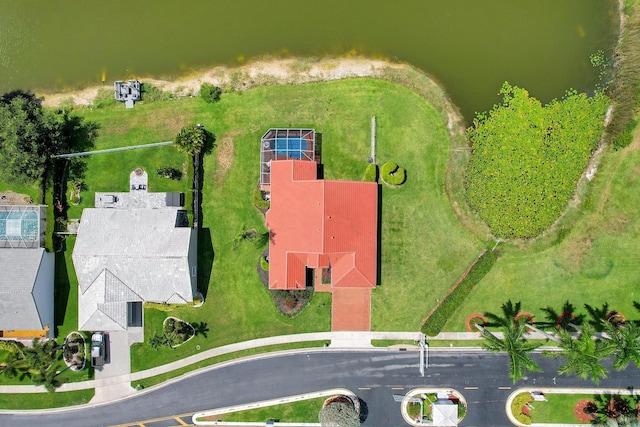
(364, 388)
(397, 388)
(504, 388)
(471, 388)
(180, 421)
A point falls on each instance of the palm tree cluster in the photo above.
(38, 362)
(582, 345)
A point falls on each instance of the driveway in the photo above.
(118, 356)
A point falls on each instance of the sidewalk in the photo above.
(111, 388)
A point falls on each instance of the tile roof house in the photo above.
(321, 224)
(133, 247)
(26, 274)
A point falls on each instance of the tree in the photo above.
(29, 135)
(583, 354)
(339, 412)
(191, 139)
(514, 344)
(626, 341)
(616, 410)
(15, 365)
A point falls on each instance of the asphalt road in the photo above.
(373, 375)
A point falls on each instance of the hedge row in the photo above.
(371, 173)
(516, 407)
(393, 174)
(456, 296)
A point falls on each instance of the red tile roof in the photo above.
(317, 223)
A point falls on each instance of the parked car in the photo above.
(98, 349)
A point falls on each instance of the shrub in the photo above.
(264, 264)
(371, 173)
(516, 407)
(104, 98)
(169, 172)
(527, 158)
(210, 93)
(259, 201)
(151, 93)
(439, 316)
(392, 174)
(625, 136)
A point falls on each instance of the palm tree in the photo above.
(565, 319)
(626, 341)
(15, 365)
(513, 343)
(583, 354)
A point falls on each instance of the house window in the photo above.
(194, 270)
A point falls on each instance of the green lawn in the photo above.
(44, 400)
(558, 408)
(596, 261)
(305, 411)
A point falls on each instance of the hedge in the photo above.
(371, 173)
(393, 174)
(516, 407)
(443, 311)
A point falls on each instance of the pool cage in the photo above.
(22, 226)
(285, 144)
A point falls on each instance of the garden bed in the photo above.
(74, 351)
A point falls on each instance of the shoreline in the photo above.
(253, 74)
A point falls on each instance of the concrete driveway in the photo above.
(108, 385)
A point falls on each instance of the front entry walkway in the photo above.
(350, 309)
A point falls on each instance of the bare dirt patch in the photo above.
(224, 155)
(10, 198)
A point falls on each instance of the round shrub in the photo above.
(393, 174)
(210, 93)
(371, 173)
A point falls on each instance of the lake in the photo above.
(469, 46)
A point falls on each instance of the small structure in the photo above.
(26, 274)
(127, 92)
(444, 413)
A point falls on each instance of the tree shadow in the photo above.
(61, 290)
(563, 319)
(206, 255)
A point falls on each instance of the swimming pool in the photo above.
(19, 225)
(291, 146)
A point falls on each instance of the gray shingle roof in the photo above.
(18, 271)
(123, 256)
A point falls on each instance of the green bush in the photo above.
(259, 201)
(104, 98)
(371, 173)
(527, 158)
(393, 174)
(516, 407)
(210, 93)
(264, 264)
(434, 323)
(170, 172)
(151, 93)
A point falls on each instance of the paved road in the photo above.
(373, 375)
